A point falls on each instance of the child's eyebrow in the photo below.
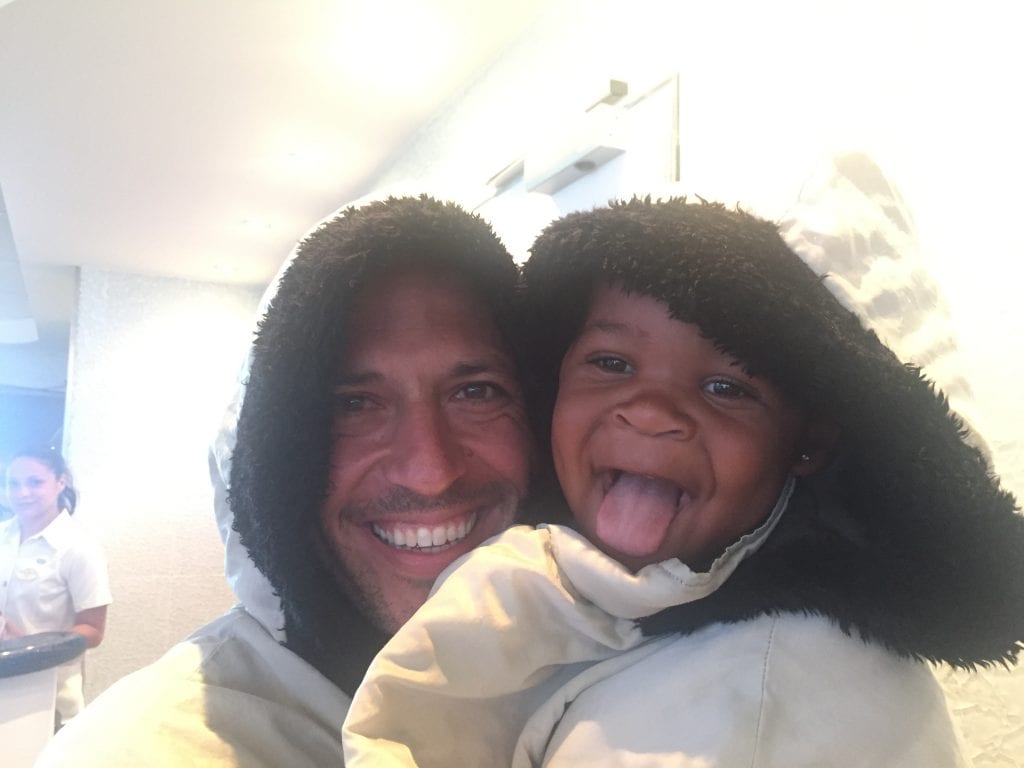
(598, 325)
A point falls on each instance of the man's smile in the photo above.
(430, 538)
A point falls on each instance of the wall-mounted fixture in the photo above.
(16, 323)
(579, 146)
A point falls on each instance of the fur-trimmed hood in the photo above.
(278, 472)
(906, 538)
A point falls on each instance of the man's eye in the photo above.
(479, 390)
(350, 403)
(610, 363)
(358, 415)
(726, 389)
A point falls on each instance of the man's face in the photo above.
(431, 447)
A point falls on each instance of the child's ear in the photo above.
(815, 450)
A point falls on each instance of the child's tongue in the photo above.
(636, 513)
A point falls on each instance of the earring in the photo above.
(805, 457)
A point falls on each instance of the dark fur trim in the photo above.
(929, 559)
(280, 466)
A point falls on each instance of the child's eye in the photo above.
(610, 363)
(726, 388)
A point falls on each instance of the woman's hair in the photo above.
(52, 458)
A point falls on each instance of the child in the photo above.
(778, 523)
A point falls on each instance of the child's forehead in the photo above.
(611, 299)
(604, 287)
(616, 309)
(626, 312)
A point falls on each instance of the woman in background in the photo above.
(53, 573)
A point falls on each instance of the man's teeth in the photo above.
(425, 537)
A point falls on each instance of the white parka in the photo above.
(529, 654)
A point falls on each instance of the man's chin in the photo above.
(388, 580)
(406, 580)
(388, 615)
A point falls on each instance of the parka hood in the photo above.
(907, 538)
(249, 585)
(270, 461)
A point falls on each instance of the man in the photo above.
(382, 434)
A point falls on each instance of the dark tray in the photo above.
(43, 650)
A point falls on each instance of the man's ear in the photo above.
(816, 448)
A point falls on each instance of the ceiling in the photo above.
(199, 139)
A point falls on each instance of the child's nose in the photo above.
(657, 414)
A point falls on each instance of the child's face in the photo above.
(664, 447)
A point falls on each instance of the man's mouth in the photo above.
(425, 538)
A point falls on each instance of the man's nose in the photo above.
(425, 455)
(655, 412)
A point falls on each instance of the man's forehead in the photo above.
(385, 292)
(361, 370)
(434, 321)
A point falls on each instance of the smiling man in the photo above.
(383, 370)
(430, 446)
(382, 434)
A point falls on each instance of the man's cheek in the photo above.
(519, 455)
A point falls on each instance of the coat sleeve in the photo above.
(791, 691)
(457, 683)
(834, 699)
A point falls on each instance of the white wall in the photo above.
(767, 91)
(153, 363)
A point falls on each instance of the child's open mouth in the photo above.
(637, 511)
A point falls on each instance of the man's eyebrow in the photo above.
(495, 364)
(357, 379)
(498, 363)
